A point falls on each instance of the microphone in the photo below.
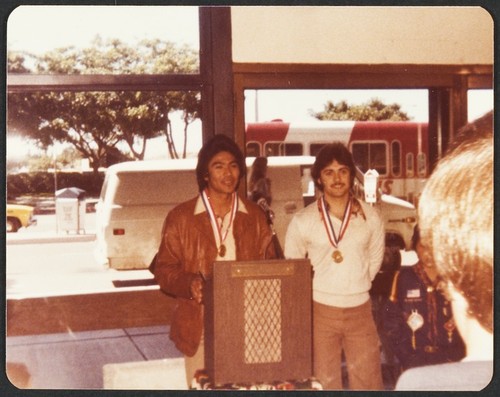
(262, 203)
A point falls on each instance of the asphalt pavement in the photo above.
(48, 230)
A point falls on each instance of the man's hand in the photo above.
(197, 289)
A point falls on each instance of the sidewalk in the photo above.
(76, 360)
(40, 238)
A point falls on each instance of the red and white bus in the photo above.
(396, 149)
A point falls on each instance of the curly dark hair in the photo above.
(219, 143)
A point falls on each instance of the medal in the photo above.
(337, 256)
(222, 250)
(327, 222)
(415, 321)
(216, 228)
(450, 326)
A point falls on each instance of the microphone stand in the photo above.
(262, 203)
(275, 240)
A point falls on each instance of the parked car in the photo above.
(19, 216)
(136, 196)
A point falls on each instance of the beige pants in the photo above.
(195, 363)
(351, 330)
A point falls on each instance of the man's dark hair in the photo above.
(219, 143)
(327, 154)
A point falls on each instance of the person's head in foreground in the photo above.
(456, 224)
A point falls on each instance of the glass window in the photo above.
(283, 149)
(361, 155)
(302, 105)
(370, 156)
(479, 102)
(378, 157)
(253, 149)
(421, 165)
(410, 169)
(110, 126)
(314, 148)
(293, 149)
(396, 158)
(104, 40)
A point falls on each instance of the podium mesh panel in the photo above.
(262, 316)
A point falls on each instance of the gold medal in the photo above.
(222, 250)
(337, 256)
(415, 321)
(327, 222)
(219, 234)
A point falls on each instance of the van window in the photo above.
(370, 156)
(396, 158)
(283, 149)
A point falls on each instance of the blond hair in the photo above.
(456, 218)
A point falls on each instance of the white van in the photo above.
(136, 197)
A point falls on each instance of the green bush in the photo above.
(42, 183)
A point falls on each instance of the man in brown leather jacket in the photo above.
(216, 225)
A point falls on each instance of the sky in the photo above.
(38, 29)
(41, 28)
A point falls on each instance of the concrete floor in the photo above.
(76, 360)
(72, 360)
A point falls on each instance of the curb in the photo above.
(54, 238)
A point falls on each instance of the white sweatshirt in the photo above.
(344, 284)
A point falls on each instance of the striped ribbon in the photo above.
(327, 222)
(213, 220)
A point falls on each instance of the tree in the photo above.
(374, 110)
(99, 123)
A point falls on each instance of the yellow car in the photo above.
(19, 216)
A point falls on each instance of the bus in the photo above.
(398, 150)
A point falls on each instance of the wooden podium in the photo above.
(258, 321)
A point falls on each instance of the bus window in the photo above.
(409, 165)
(272, 149)
(421, 165)
(396, 158)
(378, 157)
(283, 149)
(370, 156)
(253, 149)
(314, 148)
(360, 155)
(292, 149)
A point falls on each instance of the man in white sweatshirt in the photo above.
(344, 239)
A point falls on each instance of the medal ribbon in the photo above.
(213, 220)
(327, 222)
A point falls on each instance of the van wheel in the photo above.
(12, 225)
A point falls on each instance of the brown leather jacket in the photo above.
(188, 247)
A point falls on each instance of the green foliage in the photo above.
(69, 158)
(96, 124)
(42, 183)
(374, 110)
